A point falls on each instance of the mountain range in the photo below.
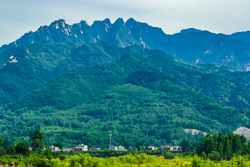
(190, 45)
(76, 82)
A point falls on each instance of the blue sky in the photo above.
(220, 16)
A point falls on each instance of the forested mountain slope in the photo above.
(220, 82)
(75, 91)
(36, 65)
(128, 96)
(26, 68)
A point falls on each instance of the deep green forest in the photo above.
(76, 94)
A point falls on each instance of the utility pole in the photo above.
(110, 135)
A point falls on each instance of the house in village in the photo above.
(175, 148)
(164, 147)
(52, 148)
(118, 148)
(151, 148)
(81, 147)
(170, 148)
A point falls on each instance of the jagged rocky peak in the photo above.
(58, 24)
(83, 23)
(106, 22)
(119, 22)
(41, 28)
(104, 25)
(131, 22)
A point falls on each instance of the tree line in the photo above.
(220, 145)
(22, 148)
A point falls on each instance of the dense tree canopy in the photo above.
(141, 94)
(37, 140)
(22, 148)
(224, 145)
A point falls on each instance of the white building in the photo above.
(81, 147)
(118, 148)
(52, 148)
(152, 148)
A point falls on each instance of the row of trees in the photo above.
(23, 148)
(223, 146)
(187, 145)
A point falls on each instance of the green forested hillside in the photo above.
(135, 100)
(219, 82)
(26, 68)
(46, 56)
(75, 91)
(76, 94)
(101, 53)
(18, 79)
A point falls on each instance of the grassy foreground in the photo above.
(137, 160)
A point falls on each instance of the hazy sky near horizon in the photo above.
(220, 16)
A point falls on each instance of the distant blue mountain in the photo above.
(245, 36)
(190, 45)
(185, 31)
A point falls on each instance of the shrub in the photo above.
(22, 148)
(214, 154)
(169, 154)
(203, 155)
(84, 160)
